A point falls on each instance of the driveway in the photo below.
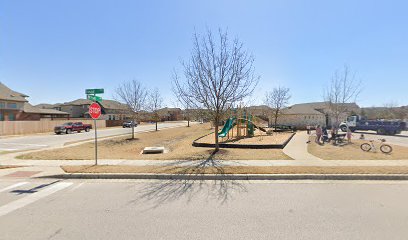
(52, 140)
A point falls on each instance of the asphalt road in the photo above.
(399, 139)
(52, 140)
(180, 210)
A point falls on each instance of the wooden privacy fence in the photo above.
(114, 123)
(43, 126)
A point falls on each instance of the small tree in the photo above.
(134, 95)
(277, 99)
(184, 100)
(155, 102)
(219, 73)
(343, 89)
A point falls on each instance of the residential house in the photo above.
(14, 106)
(316, 113)
(111, 110)
(170, 114)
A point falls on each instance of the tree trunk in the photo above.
(217, 146)
(133, 131)
(188, 123)
(156, 125)
(276, 121)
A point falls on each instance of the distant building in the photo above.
(316, 113)
(170, 114)
(111, 110)
(15, 107)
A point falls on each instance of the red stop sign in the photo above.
(95, 110)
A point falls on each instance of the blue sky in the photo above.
(53, 50)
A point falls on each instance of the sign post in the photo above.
(95, 112)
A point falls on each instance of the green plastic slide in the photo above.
(227, 126)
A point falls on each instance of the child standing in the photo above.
(349, 135)
(318, 133)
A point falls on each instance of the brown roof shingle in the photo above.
(10, 95)
(28, 108)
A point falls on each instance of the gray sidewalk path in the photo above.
(297, 148)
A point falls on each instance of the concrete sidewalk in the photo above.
(297, 148)
(51, 168)
(57, 163)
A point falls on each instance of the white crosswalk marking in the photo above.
(12, 206)
(13, 186)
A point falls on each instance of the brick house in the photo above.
(170, 114)
(15, 107)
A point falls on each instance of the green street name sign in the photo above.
(94, 91)
(94, 98)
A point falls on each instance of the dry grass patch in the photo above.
(238, 169)
(178, 142)
(352, 151)
(260, 138)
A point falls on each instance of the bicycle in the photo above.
(385, 148)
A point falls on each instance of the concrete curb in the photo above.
(232, 176)
(243, 146)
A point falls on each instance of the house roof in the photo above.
(108, 104)
(112, 104)
(47, 105)
(169, 109)
(260, 107)
(28, 108)
(78, 102)
(313, 108)
(301, 109)
(324, 105)
(8, 94)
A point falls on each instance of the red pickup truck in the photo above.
(70, 127)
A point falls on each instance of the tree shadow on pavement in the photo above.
(160, 192)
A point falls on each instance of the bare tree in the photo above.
(154, 103)
(134, 95)
(219, 73)
(343, 89)
(277, 99)
(183, 100)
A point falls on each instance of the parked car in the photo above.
(71, 127)
(129, 124)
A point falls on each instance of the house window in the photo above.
(2, 105)
(12, 105)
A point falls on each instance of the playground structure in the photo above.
(242, 130)
(244, 126)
